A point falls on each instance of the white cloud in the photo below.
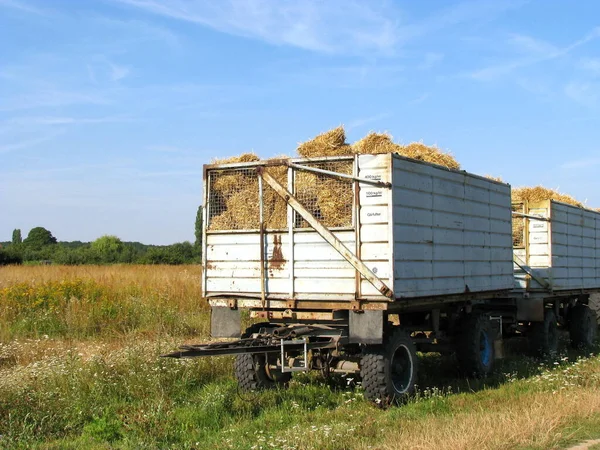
(581, 163)
(356, 123)
(22, 145)
(22, 6)
(118, 72)
(584, 93)
(332, 26)
(535, 51)
(429, 60)
(310, 24)
(591, 65)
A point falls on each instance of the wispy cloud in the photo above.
(591, 65)
(333, 26)
(118, 72)
(420, 98)
(362, 121)
(309, 24)
(62, 120)
(583, 92)
(22, 6)
(24, 144)
(535, 51)
(582, 163)
(52, 98)
(430, 60)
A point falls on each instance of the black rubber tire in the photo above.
(475, 345)
(543, 336)
(251, 370)
(383, 384)
(583, 327)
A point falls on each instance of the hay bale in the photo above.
(329, 143)
(376, 143)
(244, 157)
(335, 202)
(422, 152)
(541, 193)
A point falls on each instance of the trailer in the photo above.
(354, 264)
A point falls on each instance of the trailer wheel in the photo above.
(475, 345)
(258, 371)
(583, 327)
(543, 337)
(389, 371)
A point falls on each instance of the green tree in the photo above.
(108, 247)
(39, 237)
(16, 236)
(198, 231)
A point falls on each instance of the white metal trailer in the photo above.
(425, 231)
(357, 262)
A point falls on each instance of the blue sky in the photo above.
(109, 108)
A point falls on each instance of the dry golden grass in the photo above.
(90, 301)
(535, 419)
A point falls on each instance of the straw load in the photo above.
(330, 143)
(540, 193)
(533, 195)
(234, 193)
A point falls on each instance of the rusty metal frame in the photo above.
(326, 234)
(261, 220)
(339, 175)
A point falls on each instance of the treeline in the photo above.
(41, 247)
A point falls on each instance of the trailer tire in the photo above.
(252, 370)
(583, 327)
(389, 371)
(475, 345)
(543, 336)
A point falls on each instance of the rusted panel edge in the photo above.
(300, 304)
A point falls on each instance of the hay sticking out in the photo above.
(422, 152)
(533, 195)
(540, 193)
(329, 143)
(376, 143)
(492, 177)
(244, 157)
(234, 193)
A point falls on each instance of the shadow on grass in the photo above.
(441, 372)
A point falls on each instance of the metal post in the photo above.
(262, 242)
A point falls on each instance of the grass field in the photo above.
(80, 368)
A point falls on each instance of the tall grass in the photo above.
(80, 367)
(92, 301)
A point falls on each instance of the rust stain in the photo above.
(276, 262)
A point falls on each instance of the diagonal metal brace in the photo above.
(326, 234)
(525, 268)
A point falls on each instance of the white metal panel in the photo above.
(233, 265)
(375, 223)
(566, 250)
(452, 231)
